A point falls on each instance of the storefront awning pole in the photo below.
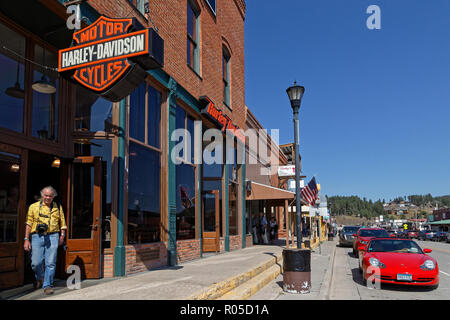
(119, 251)
(172, 240)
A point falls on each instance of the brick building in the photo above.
(129, 206)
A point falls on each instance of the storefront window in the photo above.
(9, 196)
(233, 187)
(137, 113)
(154, 117)
(144, 212)
(186, 122)
(143, 195)
(232, 207)
(185, 201)
(92, 113)
(45, 105)
(145, 116)
(12, 92)
(210, 185)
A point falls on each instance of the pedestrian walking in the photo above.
(263, 228)
(47, 227)
(273, 226)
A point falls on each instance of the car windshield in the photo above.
(350, 229)
(405, 246)
(373, 233)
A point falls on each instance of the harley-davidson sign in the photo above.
(221, 118)
(108, 51)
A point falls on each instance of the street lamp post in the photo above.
(297, 262)
(295, 94)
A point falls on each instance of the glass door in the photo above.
(211, 226)
(12, 219)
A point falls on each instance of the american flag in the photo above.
(310, 192)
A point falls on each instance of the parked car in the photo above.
(413, 234)
(362, 238)
(448, 236)
(346, 235)
(426, 235)
(440, 236)
(392, 233)
(403, 234)
(398, 261)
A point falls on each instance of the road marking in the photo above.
(444, 273)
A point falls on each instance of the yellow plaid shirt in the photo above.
(54, 218)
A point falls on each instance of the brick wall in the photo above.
(108, 264)
(226, 28)
(188, 250)
(145, 257)
(249, 241)
(235, 242)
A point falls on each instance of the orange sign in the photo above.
(221, 118)
(101, 52)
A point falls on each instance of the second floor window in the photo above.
(226, 77)
(212, 4)
(192, 37)
(140, 5)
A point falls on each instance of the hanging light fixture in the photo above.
(16, 91)
(44, 85)
(56, 163)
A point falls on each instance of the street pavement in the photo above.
(346, 283)
(321, 271)
(334, 276)
(204, 278)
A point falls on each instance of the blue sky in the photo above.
(375, 117)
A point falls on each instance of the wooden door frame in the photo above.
(217, 220)
(95, 242)
(16, 278)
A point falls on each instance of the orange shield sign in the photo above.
(101, 52)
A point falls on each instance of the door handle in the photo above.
(95, 227)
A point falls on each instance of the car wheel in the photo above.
(434, 287)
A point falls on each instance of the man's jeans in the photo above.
(44, 247)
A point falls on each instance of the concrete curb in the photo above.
(249, 288)
(324, 292)
(220, 289)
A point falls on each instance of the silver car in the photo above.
(346, 235)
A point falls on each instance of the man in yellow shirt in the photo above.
(47, 227)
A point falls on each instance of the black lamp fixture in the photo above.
(44, 85)
(16, 91)
(295, 94)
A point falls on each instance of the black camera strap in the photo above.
(43, 215)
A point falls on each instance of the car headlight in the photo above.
(428, 265)
(376, 263)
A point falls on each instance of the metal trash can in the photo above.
(297, 270)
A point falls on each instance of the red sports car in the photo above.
(398, 261)
(364, 235)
